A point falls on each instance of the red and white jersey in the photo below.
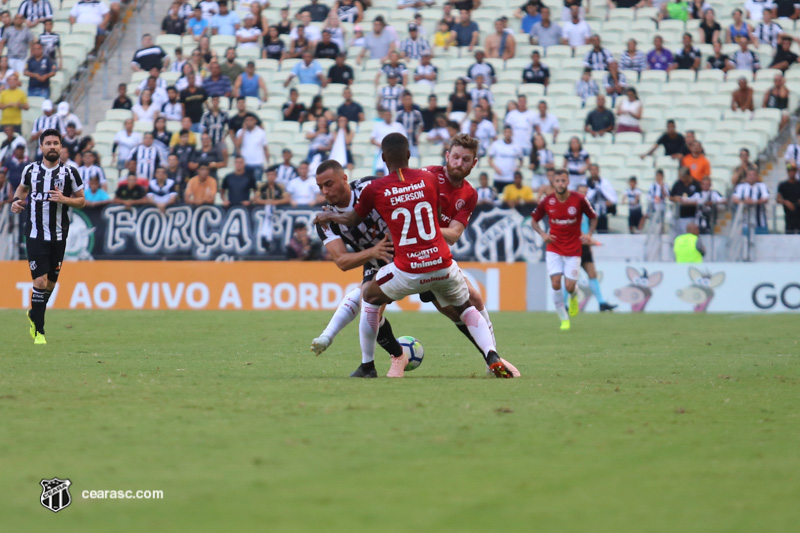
(565, 221)
(454, 203)
(408, 201)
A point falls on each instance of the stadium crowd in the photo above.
(223, 84)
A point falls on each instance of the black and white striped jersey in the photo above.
(366, 235)
(161, 193)
(44, 122)
(49, 221)
(215, 125)
(33, 11)
(50, 42)
(93, 171)
(147, 160)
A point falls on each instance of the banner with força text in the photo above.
(249, 285)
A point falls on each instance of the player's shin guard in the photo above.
(479, 330)
(368, 330)
(346, 312)
(485, 314)
(595, 285)
(38, 303)
(387, 341)
(558, 301)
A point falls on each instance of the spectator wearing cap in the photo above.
(18, 39)
(598, 58)
(529, 15)
(500, 44)
(467, 31)
(576, 31)
(307, 71)
(248, 36)
(545, 33)
(13, 101)
(340, 72)
(378, 43)
(293, 110)
(414, 46)
(426, 72)
(481, 67)
(225, 22)
(536, 72)
(326, 48)
(249, 83)
(47, 120)
(393, 67)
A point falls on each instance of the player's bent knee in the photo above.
(41, 282)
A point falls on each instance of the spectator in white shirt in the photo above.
(124, 142)
(251, 144)
(545, 122)
(505, 158)
(755, 9)
(575, 32)
(426, 73)
(304, 190)
(521, 121)
(93, 12)
(380, 130)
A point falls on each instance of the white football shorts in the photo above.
(448, 284)
(563, 264)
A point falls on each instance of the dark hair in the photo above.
(178, 49)
(49, 133)
(670, 121)
(561, 172)
(122, 85)
(183, 132)
(329, 164)
(395, 149)
(407, 93)
(633, 179)
(172, 88)
(453, 124)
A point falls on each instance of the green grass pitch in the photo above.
(644, 423)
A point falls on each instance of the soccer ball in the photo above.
(413, 349)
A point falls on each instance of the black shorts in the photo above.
(586, 254)
(45, 257)
(427, 297)
(634, 218)
(369, 273)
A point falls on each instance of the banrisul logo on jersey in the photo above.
(80, 241)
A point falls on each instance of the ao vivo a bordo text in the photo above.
(193, 295)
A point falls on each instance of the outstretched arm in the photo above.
(383, 251)
(348, 219)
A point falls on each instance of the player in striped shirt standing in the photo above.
(47, 190)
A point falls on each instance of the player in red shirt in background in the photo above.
(408, 200)
(565, 210)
